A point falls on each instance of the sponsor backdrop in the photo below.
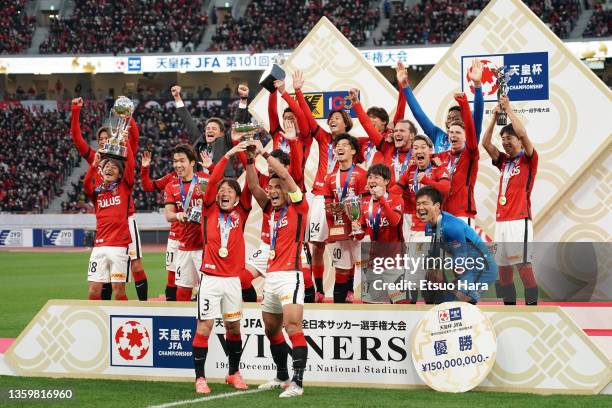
(539, 349)
(28, 237)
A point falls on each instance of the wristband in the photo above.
(266, 155)
(250, 161)
(296, 196)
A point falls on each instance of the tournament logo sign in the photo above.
(527, 74)
(454, 347)
(323, 103)
(58, 237)
(11, 238)
(131, 341)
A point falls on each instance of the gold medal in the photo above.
(223, 252)
(272, 254)
(502, 200)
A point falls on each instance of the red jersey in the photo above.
(463, 169)
(520, 173)
(335, 191)
(215, 222)
(111, 205)
(159, 185)
(384, 216)
(189, 233)
(435, 176)
(291, 222)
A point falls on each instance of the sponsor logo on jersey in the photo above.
(108, 202)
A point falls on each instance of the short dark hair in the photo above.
(232, 183)
(346, 118)
(379, 113)
(411, 125)
(185, 149)
(117, 162)
(454, 108)
(281, 156)
(431, 192)
(287, 110)
(509, 129)
(380, 169)
(423, 138)
(352, 140)
(218, 121)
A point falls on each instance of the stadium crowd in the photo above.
(16, 27)
(600, 24)
(36, 140)
(282, 25)
(102, 26)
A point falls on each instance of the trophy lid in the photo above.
(123, 106)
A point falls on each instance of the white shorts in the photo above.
(512, 239)
(135, 246)
(171, 254)
(219, 297)
(317, 221)
(406, 225)
(282, 288)
(346, 254)
(258, 259)
(109, 264)
(188, 264)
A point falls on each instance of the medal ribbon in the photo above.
(370, 150)
(187, 200)
(375, 221)
(276, 226)
(284, 146)
(102, 188)
(415, 182)
(331, 158)
(507, 173)
(399, 172)
(346, 183)
(225, 227)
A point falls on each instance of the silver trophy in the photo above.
(194, 215)
(203, 182)
(503, 77)
(352, 208)
(118, 123)
(247, 131)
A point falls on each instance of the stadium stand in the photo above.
(282, 25)
(102, 26)
(16, 27)
(600, 24)
(37, 154)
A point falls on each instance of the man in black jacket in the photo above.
(215, 141)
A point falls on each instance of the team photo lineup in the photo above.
(402, 195)
(403, 187)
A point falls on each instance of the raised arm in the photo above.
(90, 177)
(253, 184)
(475, 73)
(373, 133)
(273, 113)
(298, 82)
(394, 216)
(487, 137)
(242, 113)
(192, 128)
(128, 173)
(517, 125)
(282, 172)
(75, 131)
(133, 136)
(217, 175)
(470, 134)
(302, 122)
(400, 109)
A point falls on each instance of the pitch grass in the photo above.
(127, 394)
(29, 279)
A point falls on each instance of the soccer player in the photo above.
(159, 185)
(225, 209)
(518, 164)
(183, 204)
(283, 303)
(111, 193)
(438, 136)
(381, 221)
(472, 260)
(348, 180)
(140, 277)
(339, 122)
(462, 164)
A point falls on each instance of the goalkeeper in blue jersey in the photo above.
(454, 245)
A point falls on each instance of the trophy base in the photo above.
(114, 151)
(502, 119)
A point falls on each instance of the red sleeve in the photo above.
(328, 191)
(215, 178)
(500, 160)
(245, 200)
(404, 181)
(295, 164)
(470, 132)
(366, 122)
(77, 137)
(145, 180)
(302, 206)
(312, 122)
(302, 122)
(128, 173)
(273, 113)
(363, 182)
(442, 185)
(89, 180)
(400, 110)
(392, 215)
(134, 136)
(243, 159)
(169, 196)
(161, 183)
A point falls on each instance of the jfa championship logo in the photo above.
(449, 315)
